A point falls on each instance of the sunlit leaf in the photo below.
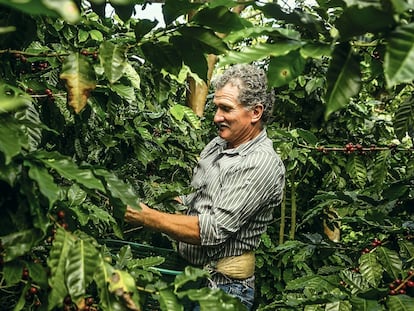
(220, 19)
(45, 181)
(113, 60)
(12, 98)
(283, 69)
(404, 119)
(370, 268)
(390, 261)
(12, 138)
(19, 243)
(179, 112)
(80, 80)
(400, 303)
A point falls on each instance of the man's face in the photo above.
(233, 119)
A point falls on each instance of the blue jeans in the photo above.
(241, 291)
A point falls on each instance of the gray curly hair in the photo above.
(252, 84)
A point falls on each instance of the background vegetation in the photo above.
(100, 109)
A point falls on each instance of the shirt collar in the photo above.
(243, 148)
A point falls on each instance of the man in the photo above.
(237, 183)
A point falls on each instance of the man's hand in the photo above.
(135, 215)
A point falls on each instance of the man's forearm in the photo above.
(183, 228)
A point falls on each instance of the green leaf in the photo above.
(12, 138)
(219, 18)
(96, 35)
(370, 269)
(12, 98)
(76, 196)
(80, 268)
(180, 111)
(168, 301)
(258, 52)
(390, 261)
(113, 60)
(66, 168)
(283, 69)
(146, 262)
(190, 274)
(338, 306)
(101, 277)
(344, 79)
(12, 272)
(143, 27)
(315, 50)
(399, 56)
(356, 21)
(45, 182)
(82, 35)
(133, 76)
(360, 304)
(215, 299)
(406, 249)
(56, 262)
(124, 91)
(163, 55)
(80, 80)
(400, 303)
(172, 9)
(404, 118)
(19, 243)
(67, 9)
(380, 170)
(207, 39)
(118, 188)
(357, 170)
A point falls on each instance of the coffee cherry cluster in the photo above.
(375, 243)
(399, 287)
(94, 54)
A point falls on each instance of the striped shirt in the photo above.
(235, 193)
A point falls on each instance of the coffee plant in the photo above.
(95, 115)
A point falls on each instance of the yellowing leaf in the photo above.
(80, 80)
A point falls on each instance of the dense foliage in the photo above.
(94, 115)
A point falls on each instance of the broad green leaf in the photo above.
(117, 187)
(339, 306)
(315, 50)
(406, 249)
(113, 60)
(179, 112)
(356, 282)
(56, 262)
(102, 275)
(124, 91)
(82, 35)
(123, 10)
(132, 76)
(143, 27)
(191, 55)
(206, 39)
(67, 9)
(123, 257)
(404, 118)
(12, 98)
(80, 268)
(220, 19)
(357, 170)
(258, 52)
(22, 300)
(19, 243)
(45, 182)
(356, 21)
(12, 272)
(390, 261)
(80, 80)
(172, 9)
(38, 273)
(215, 299)
(399, 56)
(76, 195)
(96, 35)
(190, 274)
(308, 136)
(163, 55)
(12, 138)
(343, 77)
(400, 303)
(283, 69)
(168, 301)
(380, 170)
(315, 282)
(66, 168)
(146, 262)
(370, 269)
(361, 304)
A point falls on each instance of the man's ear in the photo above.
(257, 113)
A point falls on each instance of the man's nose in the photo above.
(218, 117)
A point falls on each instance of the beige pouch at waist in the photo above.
(237, 267)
